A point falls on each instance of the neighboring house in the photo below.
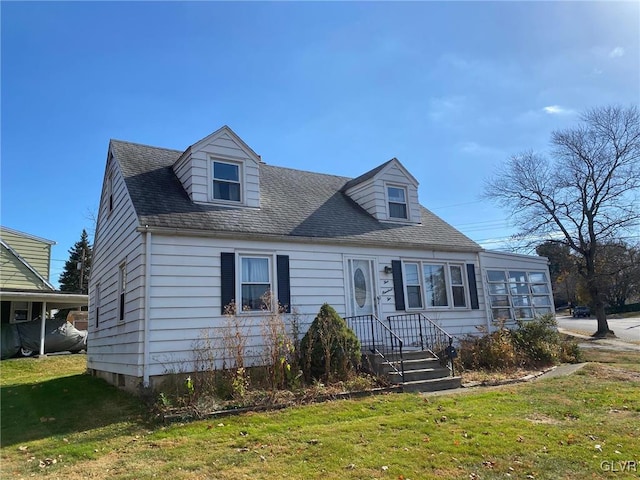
(25, 291)
(182, 234)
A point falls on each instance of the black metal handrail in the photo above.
(379, 339)
(419, 331)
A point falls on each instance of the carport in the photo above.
(49, 300)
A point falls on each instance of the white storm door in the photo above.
(362, 290)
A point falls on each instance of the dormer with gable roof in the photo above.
(388, 192)
(220, 169)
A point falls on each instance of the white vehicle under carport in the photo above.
(23, 339)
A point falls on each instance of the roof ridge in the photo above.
(305, 171)
(145, 145)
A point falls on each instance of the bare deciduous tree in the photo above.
(583, 195)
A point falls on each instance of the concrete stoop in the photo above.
(422, 372)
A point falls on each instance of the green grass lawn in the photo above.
(563, 428)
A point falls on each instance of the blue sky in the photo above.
(450, 89)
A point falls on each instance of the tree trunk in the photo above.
(596, 297)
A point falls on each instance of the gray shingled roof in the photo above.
(294, 205)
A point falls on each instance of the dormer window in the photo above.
(397, 200)
(226, 181)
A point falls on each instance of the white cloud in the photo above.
(557, 110)
(441, 108)
(616, 52)
(474, 148)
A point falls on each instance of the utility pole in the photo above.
(80, 266)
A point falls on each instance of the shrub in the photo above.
(537, 342)
(329, 350)
(570, 352)
(491, 352)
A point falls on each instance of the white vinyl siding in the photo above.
(185, 291)
(116, 346)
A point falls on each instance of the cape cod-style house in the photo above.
(182, 234)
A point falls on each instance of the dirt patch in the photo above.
(543, 419)
(607, 372)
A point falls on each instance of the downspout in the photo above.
(147, 308)
(42, 326)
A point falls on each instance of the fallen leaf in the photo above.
(385, 468)
(23, 448)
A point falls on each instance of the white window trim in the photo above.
(447, 278)
(406, 202)
(241, 176)
(420, 284)
(122, 291)
(96, 308)
(110, 200)
(271, 256)
(511, 307)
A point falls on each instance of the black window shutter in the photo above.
(473, 287)
(398, 287)
(227, 279)
(284, 282)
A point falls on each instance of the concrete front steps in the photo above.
(422, 372)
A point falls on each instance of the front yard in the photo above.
(59, 423)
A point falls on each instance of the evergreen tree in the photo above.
(75, 276)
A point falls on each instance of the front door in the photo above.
(362, 289)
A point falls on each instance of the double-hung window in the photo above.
(226, 181)
(255, 282)
(457, 286)
(414, 289)
(122, 288)
(96, 297)
(397, 198)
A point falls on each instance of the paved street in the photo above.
(626, 329)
